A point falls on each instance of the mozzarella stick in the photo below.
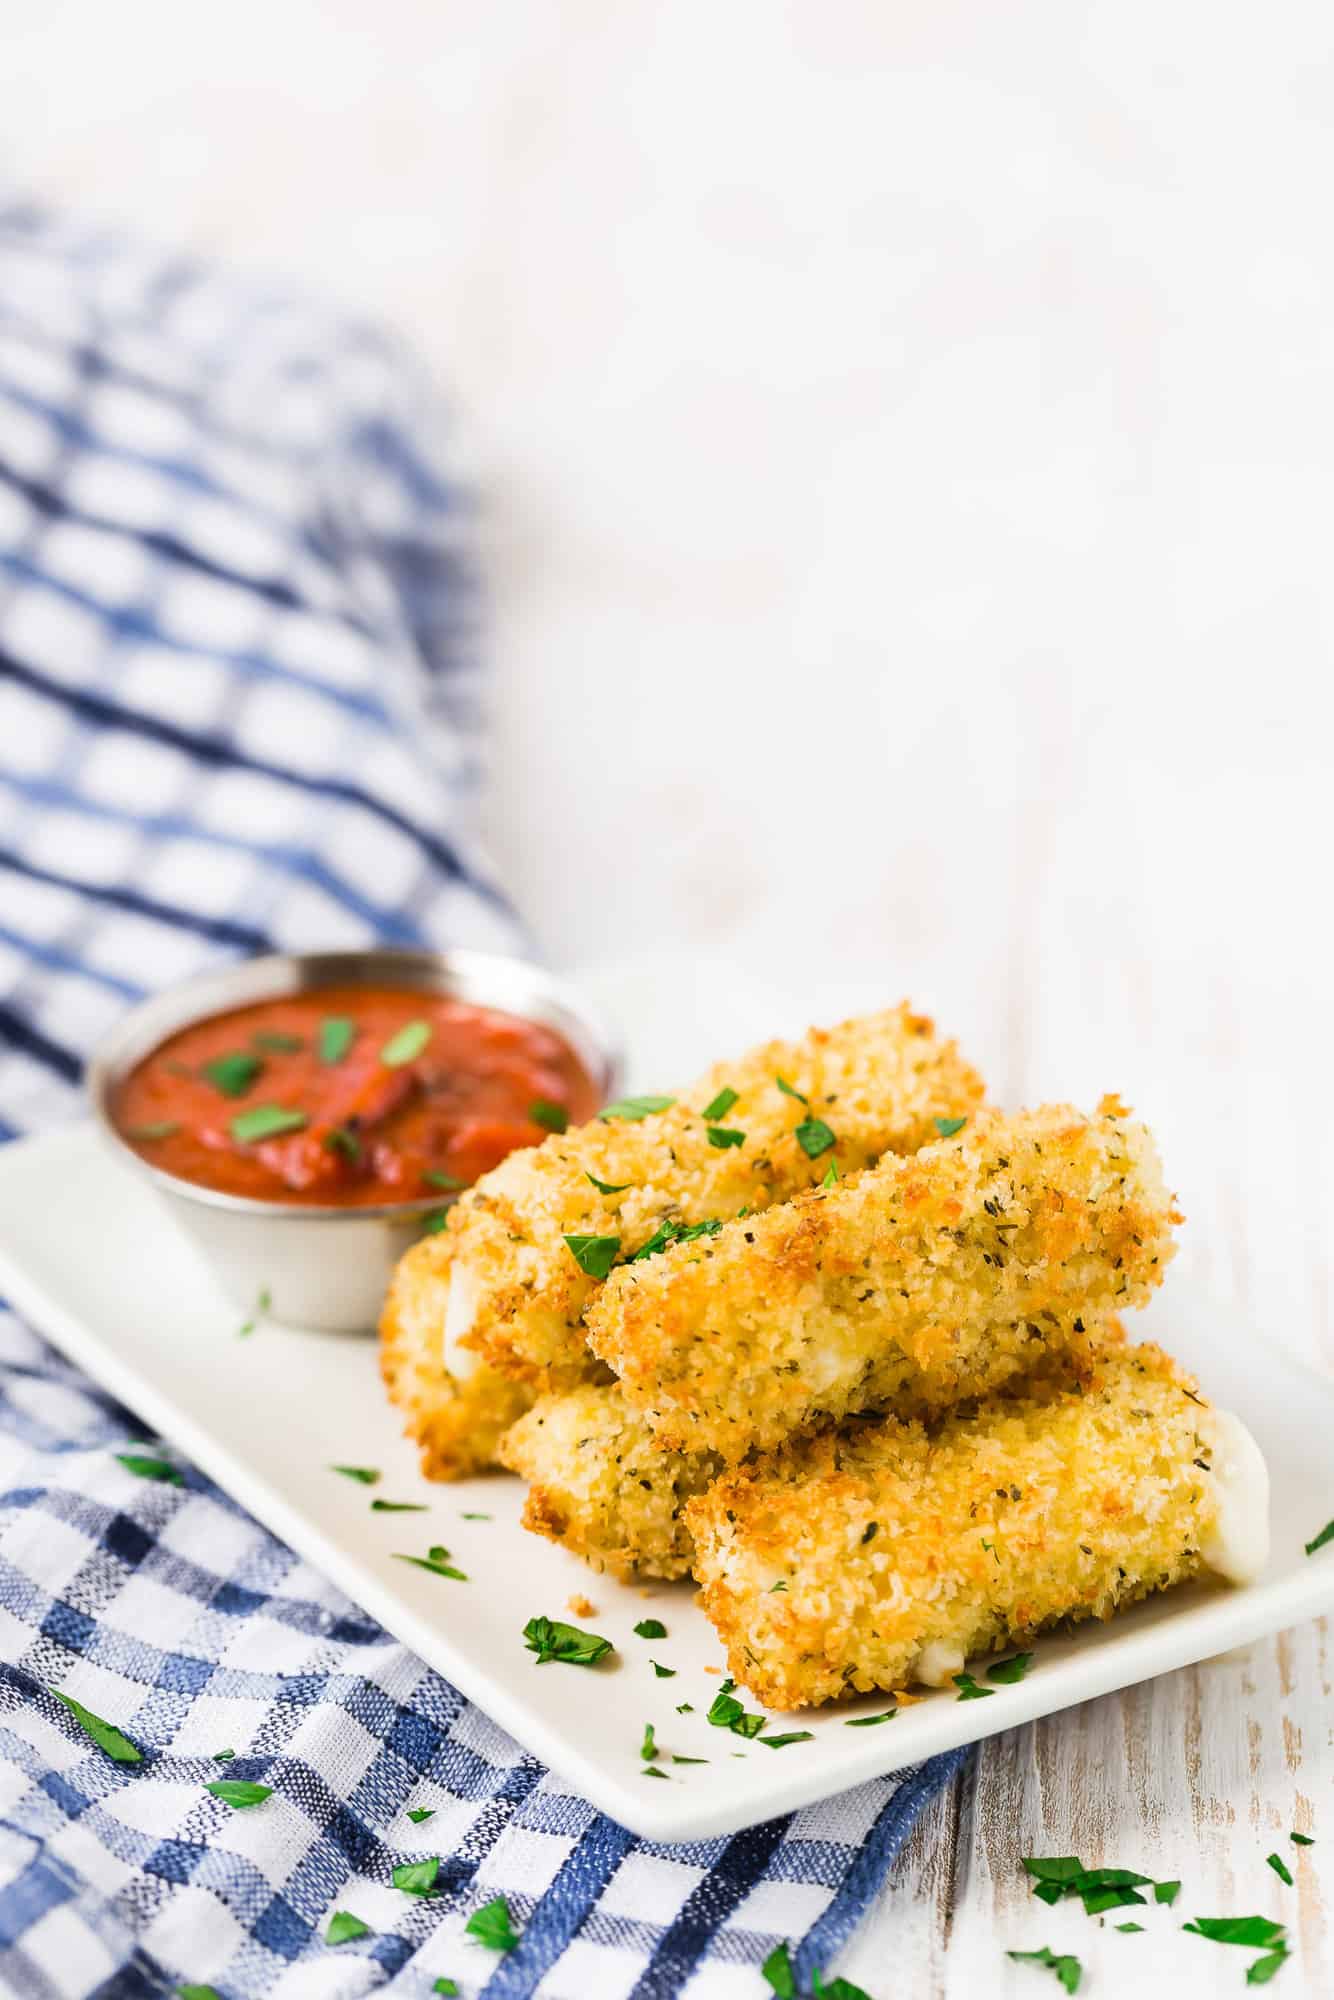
(881, 1555)
(601, 1488)
(907, 1288)
(534, 1238)
(456, 1424)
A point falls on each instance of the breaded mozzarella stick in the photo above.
(737, 1140)
(457, 1424)
(600, 1486)
(870, 1558)
(907, 1288)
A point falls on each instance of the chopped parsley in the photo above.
(1007, 1672)
(688, 1760)
(837, 1989)
(420, 1813)
(723, 1136)
(447, 1986)
(493, 1926)
(1326, 1535)
(406, 1045)
(399, 1507)
(670, 1232)
(104, 1734)
(814, 1137)
(1066, 1967)
(234, 1074)
(594, 1255)
(435, 1178)
(1261, 1931)
(238, 1793)
(145, 1467)
(436, 1561)
(365, 1475)
(969, 1689)
(343, 1927)
(685, 1708)
(1261, 1970)
(262, 1304)
(870, 1721)
(417, 1878)
(278, 1044)
(434, 1221)
(788, 1091)
(1280, 1868)
(947, 1127)
(830, 1174)
(163, 1129)
(1130, 1927)
(193, 1991)
(663, 1673)
(1099, 1889)
(652, 1771)
(223, 1756)
(650, 1628)
(780, 1585)
(552, 1117)
(266, 1121)
(337, 1034)
(343, 1139)
(551, 1639)
(632, 1109)
(792, 1736)
(726, 1712)
(476, 1517)
(608, 1187)
(777, 1969)
(648, 1749)
(719, 1106)
(1302, 1839)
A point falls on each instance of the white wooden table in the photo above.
(908, 439)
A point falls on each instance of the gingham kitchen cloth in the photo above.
(238, 710)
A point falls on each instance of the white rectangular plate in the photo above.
(89, 1255)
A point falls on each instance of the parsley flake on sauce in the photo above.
(594, 1255)
(608, 1187)
(406, 1045)
(435, 1178)
(233, 1074)
(814, 1137)
(1066, 1967)
(165, 1128)
(552, 1117)
(650, 1628)
(493, 1926)
(343, 1139)
(266, 1121)
(277, 1043)
(144, 1467)
(365, 1475)
(104, 1734)
(719, 1106)
(551, 1639)
(632, 1109)
(343, 1927)
(337, 1034)
(238, 1793)
(947, 1127)
(1326, 1535)
(723, 1136)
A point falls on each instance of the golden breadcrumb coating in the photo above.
(879, 1082)
(906, 1288)
(456, 1423)
(901, 1553)
(601, 1487)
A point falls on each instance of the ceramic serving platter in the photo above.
(92, 1258)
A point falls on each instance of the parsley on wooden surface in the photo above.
(1261, 1931)
(551, 1639)
(594, 1255)
(1066, 1967)
(1280, 1868)
(104, 1734)
(1302, 1839)
(399, 1507)
(266, 1121)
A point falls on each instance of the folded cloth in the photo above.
(238, 710)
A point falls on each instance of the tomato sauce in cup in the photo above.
(349, 1096)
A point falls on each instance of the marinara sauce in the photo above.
(350, 1096)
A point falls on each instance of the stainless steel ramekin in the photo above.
(316, 1265)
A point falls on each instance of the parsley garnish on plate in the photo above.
(947, 1127)
(436, 1560)
(608, 1187)
(406, 1045)
(551, 1639)
(650, 1628)
(493, 1926)
(104, 1734)
(278, 1043)
(688, 1760)
(723, 1136)
(632, 1109)
(366, 1475)
(266, 1121)
(1280, 1868)
(165, 1128)
(726, 1712)
(870, 1721)
(1129, 1927)
(343, 1139)
(594, 1255)
(969, 1689)
(233, 1074)
(416, 1878)
(1326, 1535)
(143, 1466)
(648, 1749)
(663, 1673)
(1252, 1931)
(262, 1304)
(476, 1517)
(337, 1032)
(719, 1106)
(420, 1813)
(399, 1507)
(814, 1137)
(552, 1117)
(238, 1793)
(1066, 1967)
(343, 1927)
(792, 1736)
(1007, 1672)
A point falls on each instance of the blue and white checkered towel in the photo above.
(237, 709)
